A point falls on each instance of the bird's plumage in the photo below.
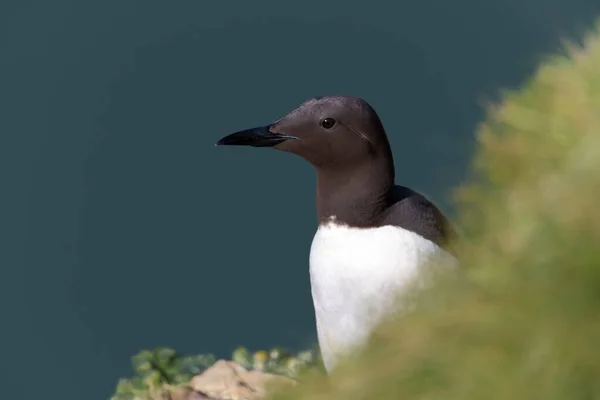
(356, 273)
(373, 237)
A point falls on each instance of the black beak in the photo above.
(255, 137)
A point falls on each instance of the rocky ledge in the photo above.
(226, 380)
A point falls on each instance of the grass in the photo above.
(523, 319)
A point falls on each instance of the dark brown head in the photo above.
(329, 132)
(344, 139)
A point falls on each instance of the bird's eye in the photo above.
(328, 123)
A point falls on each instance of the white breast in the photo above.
(356, 275)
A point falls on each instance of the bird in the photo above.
(373, 236)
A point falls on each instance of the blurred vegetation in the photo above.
(279, 361)
(522, 319)
(160, 371)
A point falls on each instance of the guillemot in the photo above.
(373, 236)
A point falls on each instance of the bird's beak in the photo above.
(255, 137)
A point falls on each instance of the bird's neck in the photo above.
(357, 198)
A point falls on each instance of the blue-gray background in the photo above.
(122, 227)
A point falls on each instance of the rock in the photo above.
(188, 394)
(228, 380)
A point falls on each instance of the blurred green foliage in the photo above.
(161, 370)
(279, 361)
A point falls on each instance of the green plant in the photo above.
(278, 361)
(159, 371)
